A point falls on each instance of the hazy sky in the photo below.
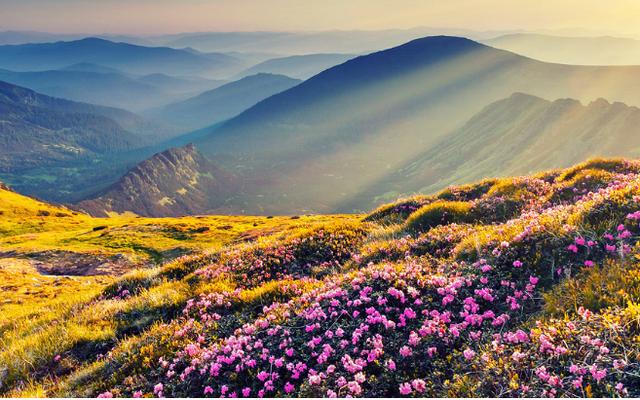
(171, 16)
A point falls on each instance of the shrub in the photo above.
(439, 213)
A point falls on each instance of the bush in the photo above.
(439, 213)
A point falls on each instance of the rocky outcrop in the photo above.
(176, 182)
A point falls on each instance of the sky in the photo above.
(147, 17)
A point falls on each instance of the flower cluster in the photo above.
(442, 311)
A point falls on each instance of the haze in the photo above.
(166, 16)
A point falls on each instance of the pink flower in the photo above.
(288, 387)
(57, 358)
(391, 365)
(598, 374)
(577, 383)
(137, 394)
(573, 248)
(246, 392)
(405, 351)
(315, 379)
(105, 395)
(354, 387)
(157, 389)
(208, 390)
(419, 385)
(405, 388)
(469, 354)
(517, 264)
(589, 263)
(580, 241)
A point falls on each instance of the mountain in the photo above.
(24, 37)
(291, 43)
(110, 89)
(178, 181)
(323, 142)
(180, 85)
(301, 67)
(518, 135)
(96, 84)
(602, 50)
(89, 67)
(223, 102)
(123, 56)
(37, 130)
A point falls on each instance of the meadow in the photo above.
(520, 287)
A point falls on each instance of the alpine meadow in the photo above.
(297, 199)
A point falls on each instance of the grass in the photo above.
(75, 317)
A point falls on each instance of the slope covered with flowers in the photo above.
(523, 286)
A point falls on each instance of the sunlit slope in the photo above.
(521, 134)
(320, 144)
(522, 286)
(62, 241)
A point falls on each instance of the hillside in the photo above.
(300, 67)
(172, 183)
(603, 50)
(517, 135)
(122, 56)
(37, 130)
(223, 102)
(525, 286)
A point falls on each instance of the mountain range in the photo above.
(351, 124)
(223, 102)
(326, 144)
(126, 57)
(343, 137)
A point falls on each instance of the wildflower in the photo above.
(589, 263)
(405, 351)
(157, 389)
(405, 388)
(419, 385)
(315, 379)
(289, 388)
(391, 365)
(517, 264)
(208, 390)
(137, 394)
(598, 374)
(105, 395)
(246, 392)
(469, 354)
(354, 387)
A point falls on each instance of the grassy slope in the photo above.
(43, 315)
(511, 238)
